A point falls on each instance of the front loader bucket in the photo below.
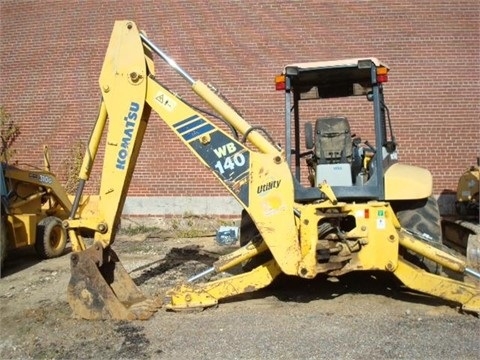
(100, 288)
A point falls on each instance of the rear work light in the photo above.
(382, 74)
(280, 82)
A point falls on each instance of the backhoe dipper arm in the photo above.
(260, 180)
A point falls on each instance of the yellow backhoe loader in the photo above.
(468, 194)
(357, 213)
(33, 206)
(462, 232)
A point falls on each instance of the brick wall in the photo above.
(51, 53)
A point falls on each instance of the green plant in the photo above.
(138, 229)
(8, 133)
(72, 165)
(194, 233)
(175, 223)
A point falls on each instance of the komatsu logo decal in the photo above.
(130, 121)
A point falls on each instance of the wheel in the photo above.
(3, 241)
(461, 209)
(421, 217)
(51, 238)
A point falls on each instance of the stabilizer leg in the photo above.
(189, 296)
(417, 279)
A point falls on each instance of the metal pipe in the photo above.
(90, 154)
(76, 201)
(432, 253)
(94, 142)
(224, 109)
(288, 122)
(167, 59)
(202, 274)
(296, 133)
(472, 272)
(379, 134)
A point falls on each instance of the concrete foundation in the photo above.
(215, 206)
(166, 206)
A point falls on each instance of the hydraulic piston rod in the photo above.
(216, 102)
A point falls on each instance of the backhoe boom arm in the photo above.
(260, 180)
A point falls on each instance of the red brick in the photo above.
(51, 54)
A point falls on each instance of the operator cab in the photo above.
(334, 155)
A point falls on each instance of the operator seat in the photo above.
(333, 151)
(333, 143)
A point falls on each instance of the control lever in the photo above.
(370, 146)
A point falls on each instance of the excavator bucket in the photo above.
(101, 288)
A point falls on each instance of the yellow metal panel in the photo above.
(381, 248)
(373, 242)
(262, 183)
(406, 182)
(22, 230)
(271, 208)
(308, 239)
(417, 279)
(29, 182)
(468, 185)
(185, 296)
(123, 84)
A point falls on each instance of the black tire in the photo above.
(3, 242)
(461, 209)
(51, 238)
(421, 217)
(249, 232)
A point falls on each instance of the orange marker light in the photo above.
(382, 74)
(382, 70)
(280, 82)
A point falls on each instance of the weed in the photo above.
(73, 165)
(138, 229)
(175, 224)
(8, 133)
(193, 233)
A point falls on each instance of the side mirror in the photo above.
(309, 136)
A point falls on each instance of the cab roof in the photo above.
(335, 78)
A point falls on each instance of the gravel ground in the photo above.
(360, 316)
